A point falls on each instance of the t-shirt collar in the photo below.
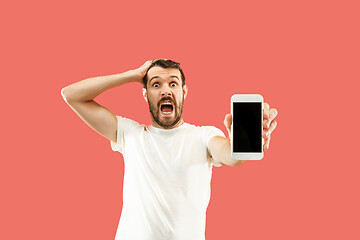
(167, 131)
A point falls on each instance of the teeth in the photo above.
(168, 104)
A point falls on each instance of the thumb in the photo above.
(143, 68)
(146, 65)
(228, 122)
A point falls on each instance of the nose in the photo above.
(166, 92)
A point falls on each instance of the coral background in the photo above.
(61, 180)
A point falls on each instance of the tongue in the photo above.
(166, 108)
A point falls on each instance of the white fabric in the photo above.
(166, 181)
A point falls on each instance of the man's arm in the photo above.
(79, 96)
(220, 147)
(220, 150)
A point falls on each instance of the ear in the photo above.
(185, 91)
(145, 94)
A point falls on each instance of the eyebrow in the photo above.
(171, 76)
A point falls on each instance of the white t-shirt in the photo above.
(166, 180)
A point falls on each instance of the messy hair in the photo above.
(164, 63)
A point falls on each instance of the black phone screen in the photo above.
(247, 127)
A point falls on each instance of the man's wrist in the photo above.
(135, 76)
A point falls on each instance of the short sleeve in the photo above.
(210, 132)
(123, 124)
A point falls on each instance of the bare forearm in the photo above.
(220, 148)
(88, 89)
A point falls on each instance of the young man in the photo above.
(168, 165)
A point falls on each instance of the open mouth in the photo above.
(166, 108)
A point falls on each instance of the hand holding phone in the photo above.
(247, 126)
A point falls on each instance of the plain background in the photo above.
(61, 180)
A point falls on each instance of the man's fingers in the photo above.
(272, 126)
(263, 134)
(266, 143)
(266, 111)
(272, 114)
(266, 124)
(267, 131)
(143, 68)
(269, 124)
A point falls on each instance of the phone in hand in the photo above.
(246, 127)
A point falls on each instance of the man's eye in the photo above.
(173, 84)
(155, 85)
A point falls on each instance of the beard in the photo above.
(166, 123)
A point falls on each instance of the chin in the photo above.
(168, 123)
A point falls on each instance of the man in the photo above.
(168, 165)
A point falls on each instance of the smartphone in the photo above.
(246, 127)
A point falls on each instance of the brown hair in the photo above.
(164, 63)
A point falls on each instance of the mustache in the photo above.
(166, 99)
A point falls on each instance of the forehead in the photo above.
(163, 72)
